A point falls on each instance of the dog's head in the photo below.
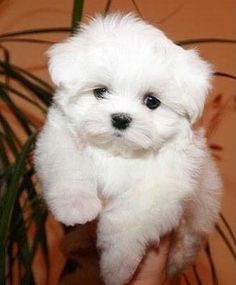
(122, 82)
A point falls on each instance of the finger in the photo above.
(164, 246)
(153, 264)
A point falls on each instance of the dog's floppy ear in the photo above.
(64, 62)
(193, 75)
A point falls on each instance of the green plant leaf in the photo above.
(212, 265)
(24, 251)
(25, 40)
(206, 41)
(226, 241)
(19, 115)
(107, 7)
(228, 228)
(223, 74)
(76, 14)
(3, 153)
(40, 91)
(23, 96)
(36, 31)
(196, 275)
(9, 200)
(35, 78)
(185, 277)
(10, 137)
(137, 8)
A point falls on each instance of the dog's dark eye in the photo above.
(99, 93)
(151, 102)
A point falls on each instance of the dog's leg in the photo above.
(66, 174)
(199, 219)
(185, 246)
(131, 223)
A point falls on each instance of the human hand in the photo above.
(152, 269)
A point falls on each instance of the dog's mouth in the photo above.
(118, 134)
(120, 141)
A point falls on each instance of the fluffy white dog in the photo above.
(118, 142)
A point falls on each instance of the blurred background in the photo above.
(34, 248)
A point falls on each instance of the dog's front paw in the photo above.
(75, 209)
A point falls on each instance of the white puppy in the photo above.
(118, 142)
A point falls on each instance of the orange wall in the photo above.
(187, 20)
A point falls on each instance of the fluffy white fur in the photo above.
(142, 182)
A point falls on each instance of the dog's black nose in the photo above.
(120, 120)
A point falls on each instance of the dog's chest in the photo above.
(117, 174)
